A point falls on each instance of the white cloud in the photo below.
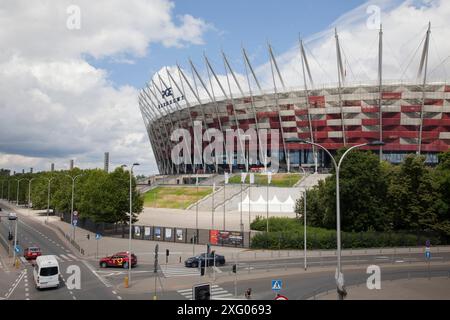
(54, 105)
(404, 27)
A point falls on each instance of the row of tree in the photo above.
(379, 196)
(98, 195)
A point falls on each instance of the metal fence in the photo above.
(226, 238)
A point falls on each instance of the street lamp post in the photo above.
(18, 184)
(131, 221)
(15, 240)
(3, 183)
(9, 189)
(304, 226)
(29, 191)
(48, 197)
(71, 206)
(337, 166)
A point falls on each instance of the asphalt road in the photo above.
(19, 284)
(99, 283)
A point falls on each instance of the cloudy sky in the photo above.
(69, 86)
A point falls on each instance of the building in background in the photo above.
(410, 117)
(106, 162)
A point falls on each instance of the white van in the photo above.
(46, 272)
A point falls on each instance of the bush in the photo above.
(287, 233)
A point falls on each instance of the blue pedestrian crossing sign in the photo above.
(75, 222)
(17, 248)
(277, 285)
(98, 236)
(428, 253)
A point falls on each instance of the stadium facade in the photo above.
(409, 117)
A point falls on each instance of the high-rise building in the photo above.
(71, 165)
(52, 167)
(106, 162)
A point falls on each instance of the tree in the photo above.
(412, 196)
(362, 194)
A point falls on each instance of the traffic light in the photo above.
(234, 268)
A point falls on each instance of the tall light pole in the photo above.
(18, 184)
(15, 239)
(9, 188)
(3, 183)
(304, 226)
(29, 191)
(71, 207)
(48, 196)
(337, 166)
(131, 221)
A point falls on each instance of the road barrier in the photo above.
(69, 239)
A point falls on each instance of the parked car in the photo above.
(119, 259)
(31, 253)
(203, 260)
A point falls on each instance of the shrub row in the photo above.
(287, 233)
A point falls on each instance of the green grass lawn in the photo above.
(174, 197)
(278, 180)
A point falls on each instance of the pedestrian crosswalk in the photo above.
(60, 257)
(216, 293)
(170, 271)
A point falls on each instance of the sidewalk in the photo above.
(413, 289)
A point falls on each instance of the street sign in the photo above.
(201, 292)
(277, 285)
(428, 254)
(98, 236)
(75, 222)
(281, 297)
(17, 248)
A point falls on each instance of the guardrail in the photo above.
(69, 239)
(5, 243)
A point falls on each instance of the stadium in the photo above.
(408, 116)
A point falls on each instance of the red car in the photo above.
(120, 259)
(31, 253)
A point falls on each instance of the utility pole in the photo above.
(155, 268)
(304, 225)
(380, 87)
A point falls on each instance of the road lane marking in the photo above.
(119, 297)
(107, 284)
(11, 290)
(72, 256)
(65, 257)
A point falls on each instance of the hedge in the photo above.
(287, 233)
